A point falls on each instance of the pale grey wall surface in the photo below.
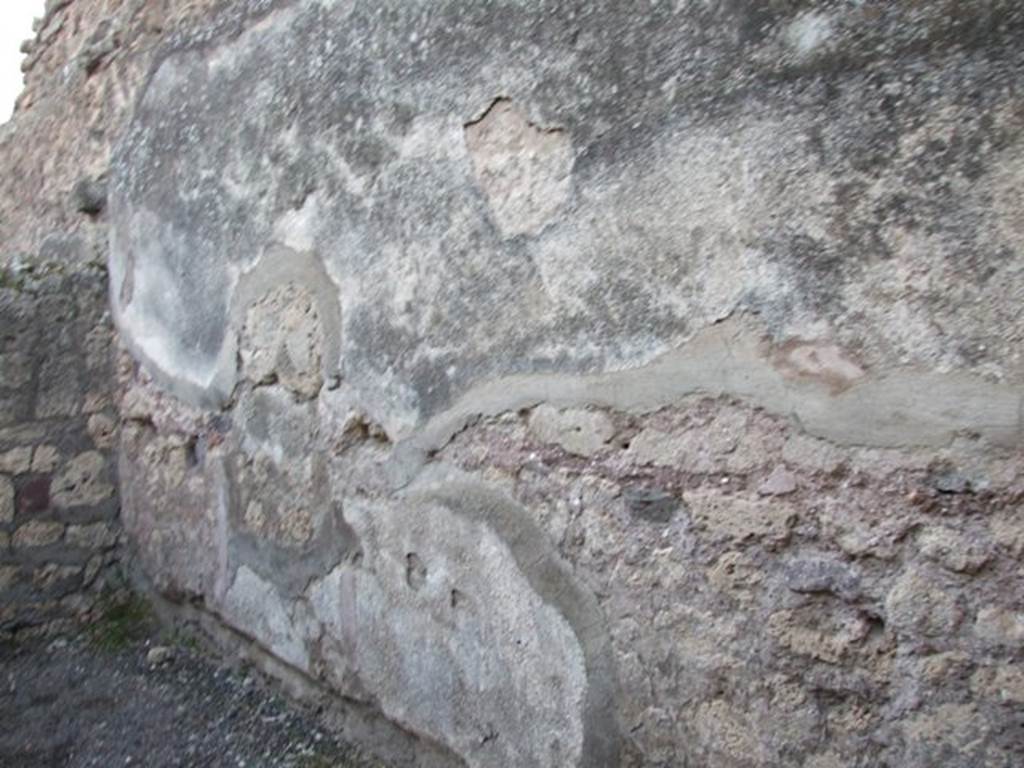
(592, 383)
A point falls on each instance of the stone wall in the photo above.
(576, 383)
(59, 414)
(59, 525)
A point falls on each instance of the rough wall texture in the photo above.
(58, 412)
(58, 422)
(82, 73)
(581, 384)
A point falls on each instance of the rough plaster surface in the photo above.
(577, 384)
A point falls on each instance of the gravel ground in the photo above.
(106, 698)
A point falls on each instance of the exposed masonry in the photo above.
(547, 385)
(834, 573)
(901, 408)
(770, 562)
(614, 421)
(59, 528)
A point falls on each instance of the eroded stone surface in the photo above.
(6, 500)
(282, 341)
(84, 481)
(52, 316)
(524, 169)
(674, 413)
(16, 460)
(37, 534)
(583, 433)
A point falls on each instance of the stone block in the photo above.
(59, 394)
(577, 431)
(1007, 530)
(103, 430)
(8, 576)
(779, 483)
(282, 341)
(737, 518)
(96, 401)
(98, 356)
(1004, 683)
(34, 496)
(952, 549)
(725, 731)
(1000, 626)
(16, 461)
(816, 574)
(92, 569)
(45, 458)
(37, 533)
(918, 606)
(50, 575)
(15, 369)
(6, 500)
(811, 454)
(83, 481)
(93, 536)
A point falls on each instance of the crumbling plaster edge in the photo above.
(278, 265)
(902, 408)
(552, 579)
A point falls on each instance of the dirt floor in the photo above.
(125, 693)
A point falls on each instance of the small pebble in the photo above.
(779, 483)
(158, 655)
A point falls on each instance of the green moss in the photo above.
(122, 624)
(8, 280)
(184, 636)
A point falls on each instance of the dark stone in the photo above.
(950, 482)
(650, 504)
(34, 496)
(820, 575)
(90, 196)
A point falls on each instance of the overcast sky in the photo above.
(15, 25)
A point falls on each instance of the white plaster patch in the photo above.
(809, 32)
(447, 633)
(254, 606)
(297, 228)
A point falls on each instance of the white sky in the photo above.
(15, 25)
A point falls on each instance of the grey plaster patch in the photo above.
(901, 408)
(281, 518)
(211, 381)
